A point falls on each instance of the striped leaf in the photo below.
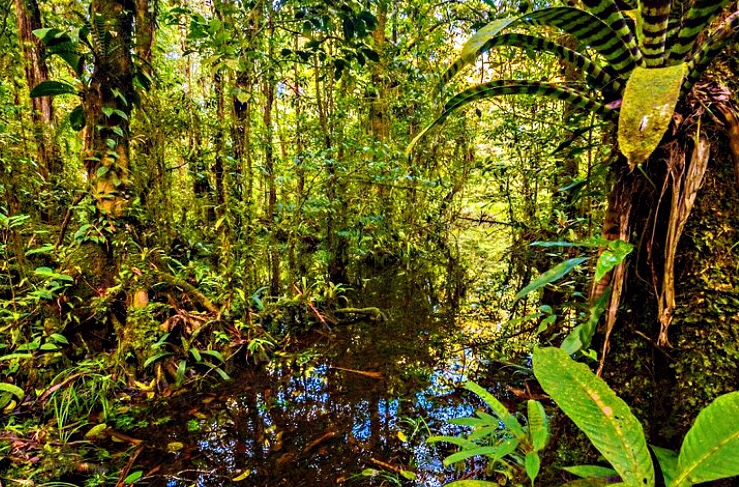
(649, 102)
(598, 412)
(590, 31)
(698, 17)
(516, 87)
(618, 50)
(476, 45)
(524, 87)
(709, 50)
(597, 76)
(654, 16)
(611, 14)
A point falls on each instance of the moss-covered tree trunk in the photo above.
(668, 383)
(51, 166)
(108, 103)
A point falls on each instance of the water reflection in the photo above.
(360, 399)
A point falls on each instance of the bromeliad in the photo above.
(642, 64)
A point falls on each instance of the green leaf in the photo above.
(407, 474)
(133, 477)
(53, 88)
(495, 452)
(581, 336)
(156, 357)
(40, 250)
(590, 471)
(649, 103)
(214, 353)
(611, 257)
(498, 408)
(667, 462)
(605, 418)
(711, 448)
(460, 442)
(554, 274)
(77, 118)
(538, 425)
(12, 389)
(532, 462)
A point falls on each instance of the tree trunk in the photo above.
(668, 381)
(269, 162)
(42, 116)
(108, 104)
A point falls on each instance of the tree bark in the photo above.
(42, 115)
(108, 104)
(668, 382)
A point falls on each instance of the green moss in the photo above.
(649, 102)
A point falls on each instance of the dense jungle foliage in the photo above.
(197, 190)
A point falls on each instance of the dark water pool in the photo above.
(351, 407)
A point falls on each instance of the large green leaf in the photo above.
(605, 418)
(710, 450)
(667, 460)
(554, 274)
(52, 88)
(649, 102)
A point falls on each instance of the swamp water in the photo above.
(350, 407)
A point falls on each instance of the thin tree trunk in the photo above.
(42, 115)
(269, 160)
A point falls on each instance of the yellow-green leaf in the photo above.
(649, 102)
(711, 447)
(593, 406)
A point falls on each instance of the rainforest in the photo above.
(460, 243)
